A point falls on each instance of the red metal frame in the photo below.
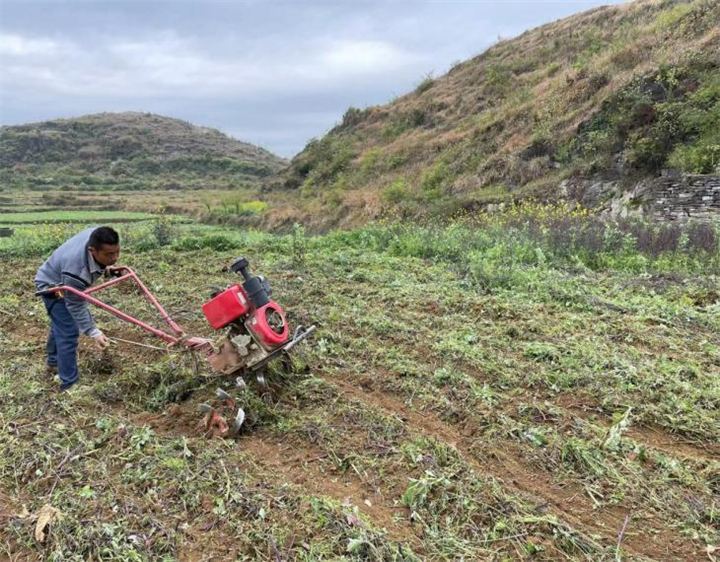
(130, 274)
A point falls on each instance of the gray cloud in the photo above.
(271, 73)
(161, 65)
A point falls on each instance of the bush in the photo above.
(235, 205)
(498, 78)
(644, 153)
(217, 242)
(396, 192)
(425, 84)
(352, 117)
(370, 162)
(402, 121)
(435, 181)
(698, 158)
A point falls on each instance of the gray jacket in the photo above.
(71, 264)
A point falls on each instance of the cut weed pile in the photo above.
(472, 393)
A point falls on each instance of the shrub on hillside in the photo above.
(396, 192)
(322, 161)
(352, 117)
(698, 158)
(435, 181)
(425, 84)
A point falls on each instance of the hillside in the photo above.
(617, 93)
(130, 150)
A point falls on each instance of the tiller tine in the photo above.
(225, 397)
(214, 423)
(239, 420)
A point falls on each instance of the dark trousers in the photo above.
(62, 341)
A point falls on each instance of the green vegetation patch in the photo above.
(671, 117)
(73, 216)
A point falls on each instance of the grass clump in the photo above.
(425, 84)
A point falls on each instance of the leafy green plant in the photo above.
(217, 242)
(298, 246)
(435, 181)
(416, 494)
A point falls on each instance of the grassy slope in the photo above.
(464, 419)
(128, 151)
(618, 91)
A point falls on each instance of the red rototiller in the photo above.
(256, 330)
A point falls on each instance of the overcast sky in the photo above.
(272, 73)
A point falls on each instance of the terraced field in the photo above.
(47, 217)
(568, 413)
(79, 203)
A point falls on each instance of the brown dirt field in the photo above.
(298, 463)
(305, 466)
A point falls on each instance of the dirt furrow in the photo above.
(652, 436)
(308, 467)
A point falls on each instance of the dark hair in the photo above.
(103, 235)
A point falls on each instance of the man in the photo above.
(78, 263)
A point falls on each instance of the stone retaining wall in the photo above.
(674, 198)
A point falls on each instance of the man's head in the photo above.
(104, 245)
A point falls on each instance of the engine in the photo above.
(255, 326)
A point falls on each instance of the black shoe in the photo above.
(51, 370)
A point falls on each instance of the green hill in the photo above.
(128, 151)
(616, 93)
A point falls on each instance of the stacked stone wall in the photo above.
(674, 198)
